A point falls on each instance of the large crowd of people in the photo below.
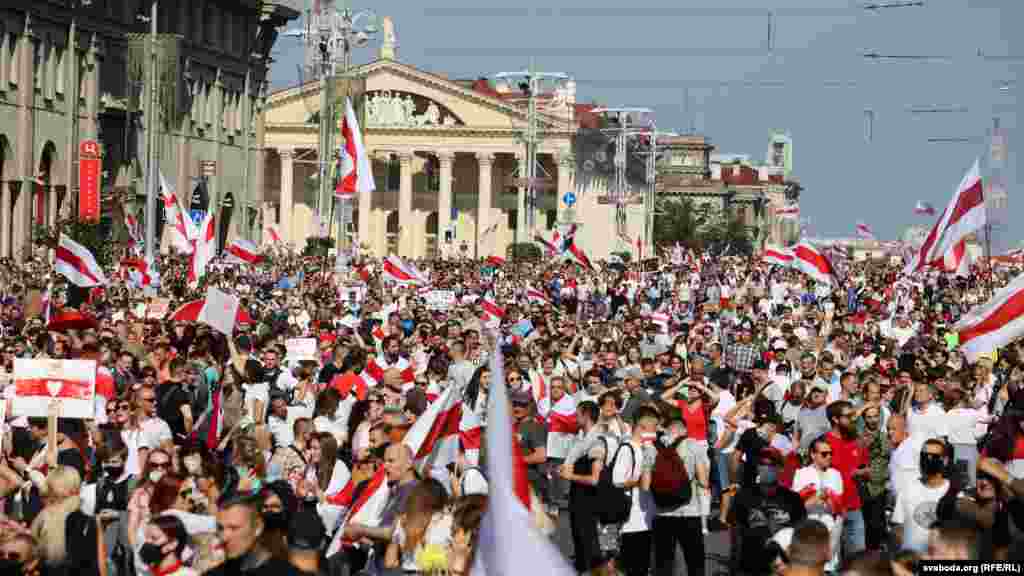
(815, 427)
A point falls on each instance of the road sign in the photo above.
(569, 198)
(208, 167)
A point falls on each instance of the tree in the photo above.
(678, 221)
(318, 246)
(93, 235)
(524, 251)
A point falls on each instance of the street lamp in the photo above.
(530, 84)
(625, 118)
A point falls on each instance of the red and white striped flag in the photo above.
(808, 259)
(356, 174)
(924, 209)
(373, 374)
(204, 249)
(789, 211)
(402, 273)
(243, 252)
(77, 264)
(964, 215)
(957, 260)
(536, 296)
(491, 310)
(864, 231)
(995, 323)
(138, 271)
(580, 256)
(434, 437)
(777, 255)
(561, 424)
(496, 261)
(272, 235)
(551, 247)
(182, 230)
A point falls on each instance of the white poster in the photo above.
(219, 311)
(300, 349)
(440, 299)
(37, 382)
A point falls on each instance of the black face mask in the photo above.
(151, 554)
(932, 464)
(275, 520)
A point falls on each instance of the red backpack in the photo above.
(670, 482)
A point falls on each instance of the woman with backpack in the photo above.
(582, 469)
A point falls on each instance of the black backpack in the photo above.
(612, 503)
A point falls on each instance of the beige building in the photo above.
(446, 155)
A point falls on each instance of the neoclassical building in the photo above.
(446, 157)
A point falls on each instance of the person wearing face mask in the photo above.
(760, 510)
(917, 503)
(162, 550)
(279, 504)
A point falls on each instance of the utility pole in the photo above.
(246, 199)
(151, 162)
(620, 189)
(72, 105)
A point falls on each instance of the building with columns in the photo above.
(72, 70)
(446, 157)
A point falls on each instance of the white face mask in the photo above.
(156, 475)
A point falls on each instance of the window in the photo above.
(15, 54)
(552, 218)
(779, 154)
(394, 172)
(513, 219)
(38, 51)
(5, 55)
(62, 65)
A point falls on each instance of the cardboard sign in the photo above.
(158, 308)
(220, 311)
(300, 349)
(440, 299)
(37, 382)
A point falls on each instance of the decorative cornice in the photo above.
(432, 131)
(419, 76)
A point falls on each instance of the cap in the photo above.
(306, 530)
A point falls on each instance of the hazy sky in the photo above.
(815, 83)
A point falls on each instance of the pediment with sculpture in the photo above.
(399, 109)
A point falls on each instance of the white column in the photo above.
(521, 219)
(363, 231)
(406, 246)
(5, 219)
(444, 197)
(485, 161)
(287, 177)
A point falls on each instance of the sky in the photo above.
(707, 64)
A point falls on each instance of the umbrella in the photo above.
(189, 312)
(72, 320)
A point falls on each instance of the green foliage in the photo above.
(93, 235)
(524, 250)
(701, 227)
(318, 246)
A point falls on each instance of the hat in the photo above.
(306, 530)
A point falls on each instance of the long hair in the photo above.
(165, 493)
(328, 457)
(473, 388)
(48, 528)
(426, 498)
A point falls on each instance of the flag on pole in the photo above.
(964, 215)
(993, 324)
(183, 230)
(808, 259)
(203, 250)
(509, 543)
(777, 255)
(864, 231)
(924, 209)
(76, 263)
(356, 175)
(402, 273)
(243, 252)
(272, 235)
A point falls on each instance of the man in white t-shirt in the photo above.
(903, 465)
(633, 471)
(928, 419)
(821, 488)
(153, 431)
(917, 503)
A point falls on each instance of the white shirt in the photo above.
(903, 465)
(930, 423)
(154, 431)
(641, 513)
(916, 507)
(966, 425)
(828, 480)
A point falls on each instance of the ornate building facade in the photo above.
(72, 70)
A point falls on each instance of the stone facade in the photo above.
(206, 49)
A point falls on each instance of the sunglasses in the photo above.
(163, 465)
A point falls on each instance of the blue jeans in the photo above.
(853, 533)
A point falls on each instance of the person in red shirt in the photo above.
(851, 460)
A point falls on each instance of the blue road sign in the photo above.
(569, 198)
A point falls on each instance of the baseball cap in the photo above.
(306, 530)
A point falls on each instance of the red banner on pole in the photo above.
(88, 181)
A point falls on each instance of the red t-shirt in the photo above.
(696, 421)
(847, 456)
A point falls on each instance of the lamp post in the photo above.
(150, 118)
(624, 117)
(531, 137)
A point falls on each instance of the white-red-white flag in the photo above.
(491, 310)
(777, 255)
(182, 229)
(788, 212)
(957, 260)
(205, 246)
(434, 437)
(995, 323)
(536, 296)
(402, 273)
(864, 231)
(356, 174)
(964, 215)
(76, 263)
(812, 261)
(243, 252)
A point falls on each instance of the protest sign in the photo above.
(157, 308)
(39, 381)
(219, 311)
(440, 299)
(300, 349)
